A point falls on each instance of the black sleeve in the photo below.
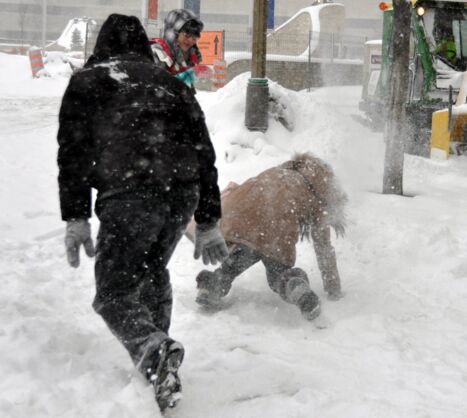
(74, 153)
(209, 206)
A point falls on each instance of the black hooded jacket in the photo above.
(127, 126)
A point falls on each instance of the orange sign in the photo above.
(211, 46)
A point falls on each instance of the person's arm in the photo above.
(326, 258)
(74, 163)
(74, 153)
(209, 206)
(161, 59)
(208, 239)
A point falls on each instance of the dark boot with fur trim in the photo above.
(309, 305)
(296, 289)
(211, 289)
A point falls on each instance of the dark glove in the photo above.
(78, 231)
(210, 243)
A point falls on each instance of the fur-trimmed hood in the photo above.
(322, 183)
(268, 212)
(174, 21)
(121, 35)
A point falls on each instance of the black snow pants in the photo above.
(281, 278)
(137, 236)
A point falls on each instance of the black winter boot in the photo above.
(163, 375)
(210, 289)
(309, 305)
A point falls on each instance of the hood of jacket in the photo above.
(174, 21)
(121, 35)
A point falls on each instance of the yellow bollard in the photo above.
(440, 135)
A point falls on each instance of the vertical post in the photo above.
(271, 14)
(257, 93)
(152, 10)
(396, 122)
(193, 5)
(258, 59)
(332, 47)
(144, 12)
(86, 41)
(309, 61)
(44, 23)
(251, 4)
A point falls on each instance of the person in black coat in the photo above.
(137, 135)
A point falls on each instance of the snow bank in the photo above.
(394, 347)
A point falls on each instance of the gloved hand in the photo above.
(78, 231)
(210, 243)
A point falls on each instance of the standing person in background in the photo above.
(177, 51)
(136, 134)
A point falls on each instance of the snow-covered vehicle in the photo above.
(308, 50)
(436, 73)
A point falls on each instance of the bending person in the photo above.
(265, 217)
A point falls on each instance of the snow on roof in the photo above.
(313, 11)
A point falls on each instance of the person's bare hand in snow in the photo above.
(78, 232)
(210, 244)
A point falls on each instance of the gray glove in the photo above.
(210, 243)
(78, 231)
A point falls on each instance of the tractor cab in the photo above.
(446, 32)
(437, 62)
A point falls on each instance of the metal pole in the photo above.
(44, 23)
(258, 60)
(257, 93)
(309, 61)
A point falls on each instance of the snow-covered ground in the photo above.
(394, 347)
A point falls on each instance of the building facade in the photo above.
(24, 21)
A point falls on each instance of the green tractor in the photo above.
(438, 60)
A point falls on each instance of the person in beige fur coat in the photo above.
(265, 217)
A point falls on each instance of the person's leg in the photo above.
(274, 271)
(126, 232)
(217, 284)
(134, 294)
(293, 287)
(156, 290)
(161, 367)
(326, 258)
